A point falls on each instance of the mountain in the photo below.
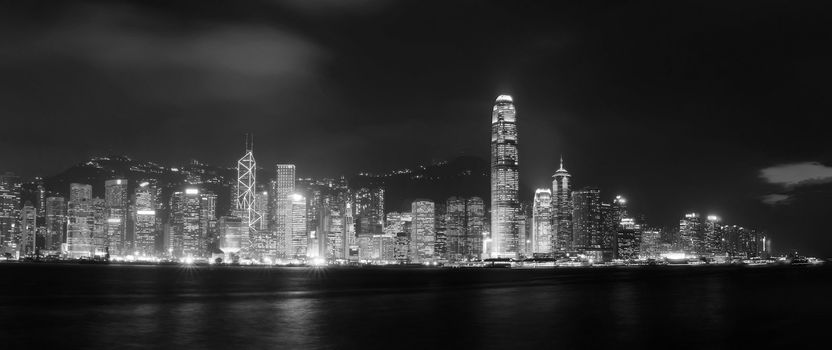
(465, 176)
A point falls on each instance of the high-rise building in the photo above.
(562, 208)
(455, 228)
(10, 195)
(80, 221)
(440, 228)
(368, 211)
(692, 234)
(612, 215)
(651, 247)
(423, 236)
(99, 227)
(297, 246)
(628, 240)
(280, 243)
(587, 222)
(116, 203)
(186, 222)
(505, 180)
(144, 221)
(55, 222)
(28, 230)
(543, 238)
(234, 235)
(475, 224)
(714, 236)
(246, 204)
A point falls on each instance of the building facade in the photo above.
(505, 180)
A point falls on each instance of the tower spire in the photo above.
(561, 162)
(249, 142)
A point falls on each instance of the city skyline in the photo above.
(287, 220)
(693, 112)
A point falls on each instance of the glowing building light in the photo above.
(192, 191)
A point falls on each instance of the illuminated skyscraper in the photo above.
(562, 208)
(505, 179)
(80, 221)
(455, 228)
(99, 227)
(234, 234)
(543, 240)
(692, 234)
(628, 240)
(714, 236)
(28, 229)
(115, 204)
(474, 227)
(144, 222)
(246, 205)
(299, 237)
(587, 220)
(187, 239)
(612, 215)
(10, 192)
(650, 243)
(55, 222)
(423, 237)
(369, 211)
(280, 243)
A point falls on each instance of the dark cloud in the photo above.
(797, 174)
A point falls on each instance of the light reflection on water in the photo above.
(123, 307)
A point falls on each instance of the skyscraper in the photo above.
(28, 229)
(246, 205)
(423, 237)
(115, 205)
(186, 223)
(10, 192)
(55, 222)
(299, 237)
(80, 221)
(562, 208)
(692, 233)
(144, 222)
(474, 227)
(714, 236)
(543, 240)
(284, 187)
(586, 219)
(628, 240)
(505, 179)
(234, 233)
(455, 228)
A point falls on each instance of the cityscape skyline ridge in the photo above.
(696, 114)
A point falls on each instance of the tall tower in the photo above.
(28, 230)
(55, 222)
(144, 221)
(115, 207)
(246, 187)
(505, 179)
(423, 236)
(79, 236)
(562, 208)
(281, 243)
(588, 224)
(542, 233)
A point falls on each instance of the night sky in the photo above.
(679, 106)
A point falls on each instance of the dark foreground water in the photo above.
(118, 307)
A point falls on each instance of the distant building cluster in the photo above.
(292, 219)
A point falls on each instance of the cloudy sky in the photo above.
(681, 106)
